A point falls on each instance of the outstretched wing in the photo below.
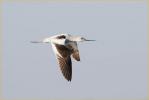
(66, 67)
(76, 55)
(64, 60)
(74, 50)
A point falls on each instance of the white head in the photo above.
(80, 39)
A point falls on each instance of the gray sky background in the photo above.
(115, 66)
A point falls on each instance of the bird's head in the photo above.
(81, 39)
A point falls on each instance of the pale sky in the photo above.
(115, 66)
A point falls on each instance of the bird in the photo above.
(65, 47)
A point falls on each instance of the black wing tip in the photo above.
(69, 80)
(78, 59)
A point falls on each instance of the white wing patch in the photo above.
(55, 50)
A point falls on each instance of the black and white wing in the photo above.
(64, 60)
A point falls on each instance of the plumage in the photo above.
(61, 37)
(65, 59)
(76, 55)
(65, 47)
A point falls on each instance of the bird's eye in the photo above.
(61, 37)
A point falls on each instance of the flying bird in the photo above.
(65, 47)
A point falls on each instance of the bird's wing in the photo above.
(76, 55)
(75, 52)
(64, 60)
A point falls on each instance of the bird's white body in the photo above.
(53, 39)
(65, 46)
